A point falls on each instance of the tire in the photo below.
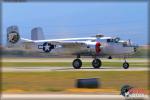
(96, 63)
(125, 65)
(77, 64)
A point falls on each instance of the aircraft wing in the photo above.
(70, 43)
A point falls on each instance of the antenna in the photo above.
(99, 35)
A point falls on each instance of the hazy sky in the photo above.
(128, 20)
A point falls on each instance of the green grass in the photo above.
(60, 81)
(68, 64)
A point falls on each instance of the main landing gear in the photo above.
(77, 63)
(96, 63)
(125, 64)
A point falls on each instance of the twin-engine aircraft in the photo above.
(93, 46)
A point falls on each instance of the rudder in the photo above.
(13, 35)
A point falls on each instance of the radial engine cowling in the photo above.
(95, 47)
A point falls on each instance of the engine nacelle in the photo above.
(94, 47)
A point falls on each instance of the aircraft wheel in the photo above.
(125, 65)
(96, 63)
(77, 63)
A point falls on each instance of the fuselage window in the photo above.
(108, 40)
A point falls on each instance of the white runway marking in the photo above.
(62, 97)
(48, 69)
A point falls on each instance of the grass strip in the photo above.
(60, 81)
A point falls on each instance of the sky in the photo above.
(127, 20)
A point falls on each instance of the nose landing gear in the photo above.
(125, 64)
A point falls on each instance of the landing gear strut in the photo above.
(125, 64)
(96, 63)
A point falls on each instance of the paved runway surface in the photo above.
(68, 60)
(64, 97)
(48, 69)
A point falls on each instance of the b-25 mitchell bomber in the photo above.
(93, 46)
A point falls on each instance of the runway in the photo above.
(68, 60)
(49, 69)
(66, 97)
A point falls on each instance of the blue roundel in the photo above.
(47, 47)
(125, 89)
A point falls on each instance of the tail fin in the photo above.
(14, 40)
(37, 34)
(13, 36)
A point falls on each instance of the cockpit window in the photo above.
(116, 40)
(109, 40)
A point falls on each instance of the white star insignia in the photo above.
(47, 47)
